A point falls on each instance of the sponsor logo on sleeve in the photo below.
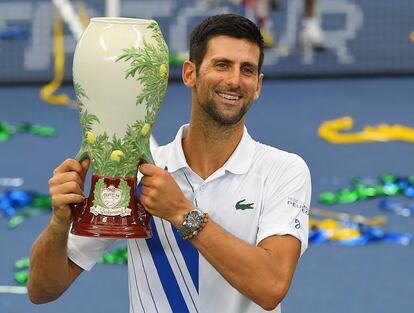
(297, 223)
(295, 203)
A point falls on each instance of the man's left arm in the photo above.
(263, 273)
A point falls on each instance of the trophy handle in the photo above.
(82, 154)
(78, 208)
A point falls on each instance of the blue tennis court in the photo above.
(376, 277)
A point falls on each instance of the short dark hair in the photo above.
(232, 25)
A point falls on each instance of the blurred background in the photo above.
(338, 90)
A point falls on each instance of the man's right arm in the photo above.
(51, 271)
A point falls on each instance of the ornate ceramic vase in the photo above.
(120, 74)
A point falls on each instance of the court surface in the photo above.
(376, 278)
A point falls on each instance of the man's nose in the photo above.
(233, 77)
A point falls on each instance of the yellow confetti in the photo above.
(345, 234)
(328, 224)
(330, 131)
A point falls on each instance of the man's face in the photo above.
(228, 80)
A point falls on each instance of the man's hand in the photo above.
(161, 196)
(66, 187)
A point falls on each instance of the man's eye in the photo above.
(221, 65)
(247, 70)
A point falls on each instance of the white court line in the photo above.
(13, 289)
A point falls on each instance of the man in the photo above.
(311, 35)
(240, 206)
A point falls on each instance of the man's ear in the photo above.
(259, 86)
(188, 74)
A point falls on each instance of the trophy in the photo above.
(120, 75)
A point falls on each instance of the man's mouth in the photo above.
(229, 97)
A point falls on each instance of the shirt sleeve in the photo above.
(286, 205)
(86, 251)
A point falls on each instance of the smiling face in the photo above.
(227, 80)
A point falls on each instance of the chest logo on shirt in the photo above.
(243, 206)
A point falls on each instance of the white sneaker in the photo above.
(311, 35)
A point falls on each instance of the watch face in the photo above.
(194, 219)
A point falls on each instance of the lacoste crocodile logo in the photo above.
(243, 206)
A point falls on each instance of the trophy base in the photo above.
(112, 231)
(101, 216)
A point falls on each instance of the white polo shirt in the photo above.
(259, 192)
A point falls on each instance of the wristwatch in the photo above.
(194, 221)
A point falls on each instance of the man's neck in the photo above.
(207, 148)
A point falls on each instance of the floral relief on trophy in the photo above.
(149, 65)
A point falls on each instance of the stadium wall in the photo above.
(365, 37)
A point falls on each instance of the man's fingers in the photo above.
(67, 166)
(146, 191)
(149, 169)
(67, 183)
(85, 166)
(66, 188)
(60, 200)
(62, 178)
(146, 181)
(147, 200)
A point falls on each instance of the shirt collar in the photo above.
(176, 159)
(238, 163)
(242, 158)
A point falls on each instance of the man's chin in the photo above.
(223, 120)
(223, 116)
